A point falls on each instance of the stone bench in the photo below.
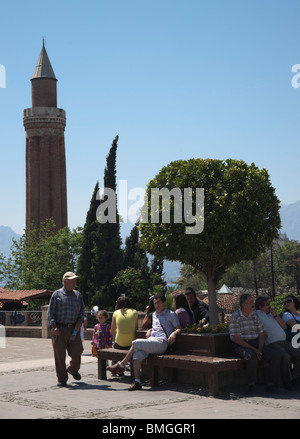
(108, 354)
(211, 366)
(207, 365)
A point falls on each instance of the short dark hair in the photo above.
(261, 300)
(160, 296)
(243, 298)
(190, 290)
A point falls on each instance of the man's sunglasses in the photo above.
(288, 301)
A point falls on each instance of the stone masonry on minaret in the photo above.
(46, 187)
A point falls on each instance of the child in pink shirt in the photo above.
(102, 337)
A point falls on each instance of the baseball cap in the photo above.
(69, 275)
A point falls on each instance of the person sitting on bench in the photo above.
(248, 342)
(165, 328)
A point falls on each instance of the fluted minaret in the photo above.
(46, 187)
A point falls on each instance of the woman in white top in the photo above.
(291, 316)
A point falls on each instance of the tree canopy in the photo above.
(241, 217)
(40, 257)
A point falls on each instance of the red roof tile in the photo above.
(21, 295)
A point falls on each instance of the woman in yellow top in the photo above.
(124, 323)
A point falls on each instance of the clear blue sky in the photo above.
(174, 78)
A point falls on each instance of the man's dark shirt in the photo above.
(200, 311)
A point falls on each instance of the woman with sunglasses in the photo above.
(291, 316)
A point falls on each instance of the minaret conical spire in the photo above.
(43, 82)
(43, 67)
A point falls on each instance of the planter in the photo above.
(200, 344)
(204, 344)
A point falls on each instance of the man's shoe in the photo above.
(77, 376)
(116, 368)
(62, 384)
(135, 386)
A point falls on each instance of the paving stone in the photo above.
(29, 391)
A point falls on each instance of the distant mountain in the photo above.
(290, 219)
(6, 237)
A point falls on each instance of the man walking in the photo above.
(165, 328)
(65, 316)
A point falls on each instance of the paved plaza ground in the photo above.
(29, 391)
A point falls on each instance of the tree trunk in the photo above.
(212, 301)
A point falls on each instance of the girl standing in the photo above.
(102, 337)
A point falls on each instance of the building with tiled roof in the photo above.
(11, 299)
(228, 299)
(229, 302)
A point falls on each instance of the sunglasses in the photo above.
(288, 301)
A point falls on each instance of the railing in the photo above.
(21, 318)
(39, 319)
(34, 318)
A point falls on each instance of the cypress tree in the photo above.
(156, 274)
(85, 280)
(107, 254)
(135, 257)
(101, 256)
(137, 271)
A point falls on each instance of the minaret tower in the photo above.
(46, 187)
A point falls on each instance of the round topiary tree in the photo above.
(240, 215)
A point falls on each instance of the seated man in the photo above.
(276, 339)
(165, 327)
(248, 342)
(199, 309)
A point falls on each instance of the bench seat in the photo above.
(211, 366)
(108, 354)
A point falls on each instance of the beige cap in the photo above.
(69, 275)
